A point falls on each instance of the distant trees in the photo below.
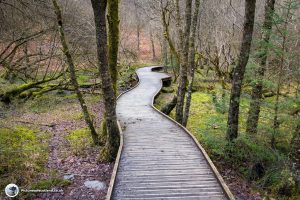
(239, 71)
(99, 8)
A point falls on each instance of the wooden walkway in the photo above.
(159, 159)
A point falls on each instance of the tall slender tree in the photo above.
(184, 51)
(254, 110)
(192, 63)
(113, 137)
(71, 66)
(239, 71)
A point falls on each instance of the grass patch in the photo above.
(51, 183)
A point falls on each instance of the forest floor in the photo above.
(68, 163)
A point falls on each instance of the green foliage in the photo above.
(23, 151)
(280, 182)
(246, 151)
(80, 140)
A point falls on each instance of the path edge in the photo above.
(209, 161)
(117, 161)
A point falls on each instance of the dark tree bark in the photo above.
(295, 144)
(192, 63)
(71, 66)
(239, 71)
(257, 90)
(113, 137)
(113, 39)
(184, 62)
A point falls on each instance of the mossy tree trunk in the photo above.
(9, 95)
(71, 66)
(192, 63)
(110, 151)
(184, 50)
(113, 39)
(239, 71)
(257, 89)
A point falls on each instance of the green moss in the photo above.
(80, 140)
(83, 78)
(23, 151)
(78, 116)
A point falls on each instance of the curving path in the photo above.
(159, 159)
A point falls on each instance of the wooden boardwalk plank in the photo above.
(159, 159)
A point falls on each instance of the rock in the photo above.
(69, 177)
(97, 185)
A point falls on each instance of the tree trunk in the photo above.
(138, 28)
(239, 71)
(167, 109)
(153, 46)
(7, 96)
(71, 66)
(165, 54)
(191, 63)
(253, 115)
(113, 39)
(295, 153)
(276, 122)
(110, 151)
(184, 62)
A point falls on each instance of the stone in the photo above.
(97, 185)
(69, 177)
